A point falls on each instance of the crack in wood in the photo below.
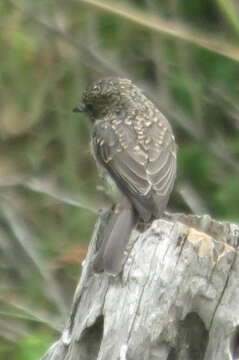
(223, 291)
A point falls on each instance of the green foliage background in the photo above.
(186, 57)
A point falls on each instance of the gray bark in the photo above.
(177, 297)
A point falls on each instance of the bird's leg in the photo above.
(142, 225)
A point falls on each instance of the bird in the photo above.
(133, 144)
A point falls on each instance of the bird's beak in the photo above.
(80, 108)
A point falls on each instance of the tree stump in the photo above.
(177, 297)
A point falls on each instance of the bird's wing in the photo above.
(118, 153)
(140, 172)
(161, 168)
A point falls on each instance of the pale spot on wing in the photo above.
(138, 155)
(154, 153)
(155, 131)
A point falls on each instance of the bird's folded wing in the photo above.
(132, 167)
(161, 168)
(123, 164)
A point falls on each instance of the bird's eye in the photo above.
(90, 108)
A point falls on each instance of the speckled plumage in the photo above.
(134, 142)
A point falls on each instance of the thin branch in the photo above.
(169, 28)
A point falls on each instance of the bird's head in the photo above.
(103, 96)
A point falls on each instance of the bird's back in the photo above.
(135, 143)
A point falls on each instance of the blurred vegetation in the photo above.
(185, 54)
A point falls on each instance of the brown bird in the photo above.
(134, 143)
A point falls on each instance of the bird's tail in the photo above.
(111, 253)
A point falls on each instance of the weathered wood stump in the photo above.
(177, 297)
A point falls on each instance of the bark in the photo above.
(177, 297)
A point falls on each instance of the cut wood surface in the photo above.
(177, 297)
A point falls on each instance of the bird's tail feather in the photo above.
(111, 253)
